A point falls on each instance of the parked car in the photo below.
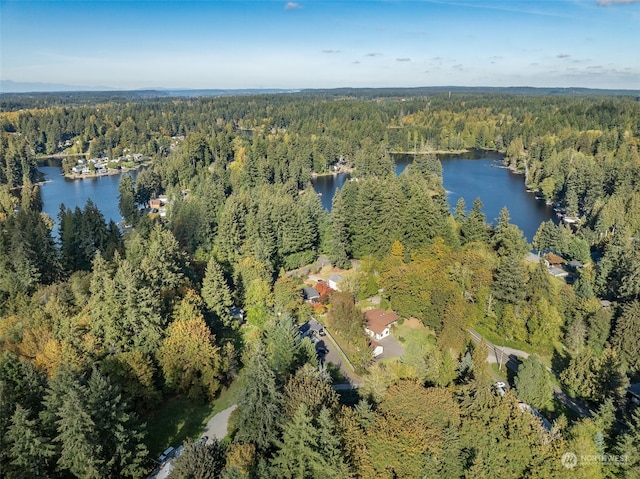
(500, 387)
(322, 332)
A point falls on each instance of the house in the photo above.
(378, 349)
(334, 280)
(575, 264)
(310, 294)
(554, 259)
(558, 272)
(379, 323)
(322, 261)
(155, 203)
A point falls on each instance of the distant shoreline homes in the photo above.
(104, 166)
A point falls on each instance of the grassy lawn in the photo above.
(180, 417)
(347, 347)
(412, 333)
(497, 373)
(500, 341)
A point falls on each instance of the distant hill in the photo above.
(9, 86)
(422, 91)
(74, 95)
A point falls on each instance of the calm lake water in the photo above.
(476, 174)
(103, 191)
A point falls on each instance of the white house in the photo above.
(334, 280)
(379, 323)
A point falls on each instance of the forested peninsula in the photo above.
(513, 360)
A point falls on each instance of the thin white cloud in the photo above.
(330, 51)
(374, 54)
(563, 55)
(515, 7)
(611, 3)
(292, 6)
(405, 59)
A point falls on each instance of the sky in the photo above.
(321, 44)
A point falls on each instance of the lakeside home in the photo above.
(103, 166)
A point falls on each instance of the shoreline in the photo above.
(75, 176)
(432, 152)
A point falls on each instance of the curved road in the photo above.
(511, 358)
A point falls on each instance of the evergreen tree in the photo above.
(127, 201)
(510, 279)
(533, 383)
(474, 228)
(20, 384)
(509, 239)
(118, 434)
(81, 453)
(259, 407)
(329, 446)
(29, 450)
(598, 328)
(283, 347)
(298, 455)
(627, 447)
(451, 464)
(626, 336)
(340, 243)
(216, 292)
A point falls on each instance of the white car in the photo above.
(501, 387)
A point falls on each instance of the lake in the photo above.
(103, 191)
(471, 175)
(476, 174)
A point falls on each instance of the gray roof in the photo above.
(557, 272)
(335, 277)
(532, 258)
(310, 292)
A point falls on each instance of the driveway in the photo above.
(217, 425)
(333, 354)
(391, 348)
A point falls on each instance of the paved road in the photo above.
(511, 358)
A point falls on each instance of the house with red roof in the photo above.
(379, 323)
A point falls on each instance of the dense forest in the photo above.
(104, 325)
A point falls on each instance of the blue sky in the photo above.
(322, 44)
